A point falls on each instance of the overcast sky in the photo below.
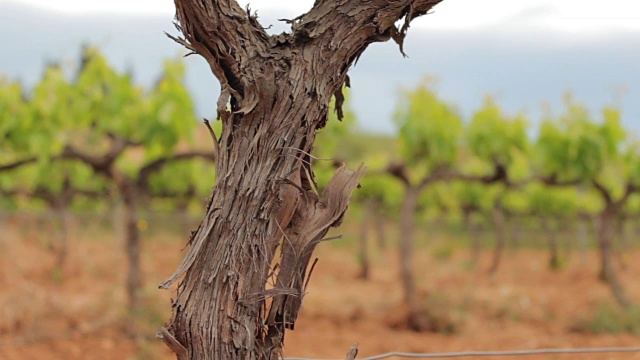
(524, 52)
(585, 16)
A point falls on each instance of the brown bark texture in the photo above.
(244, 275)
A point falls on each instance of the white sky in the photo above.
(583, 16)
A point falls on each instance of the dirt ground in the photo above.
(80, 313)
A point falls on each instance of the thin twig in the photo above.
(216, 144)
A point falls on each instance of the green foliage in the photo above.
(495, 142)
(111, 104)
(429, 129)
(89, 113)
(474, 196)
(52, 176)
(496, 137)
(382, 189)
(442, 198)
(15, 116)
(512, 200)
(570, 148)
(342, 141)
(108, 101)
(551, 201)
(631, 160)
(633, 205)
(575, 146)
(100, 103)
(171, 112)
(177, 179)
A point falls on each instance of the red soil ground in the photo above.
(80, 314)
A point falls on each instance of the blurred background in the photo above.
(500, 211)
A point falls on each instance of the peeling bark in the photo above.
(275, 92)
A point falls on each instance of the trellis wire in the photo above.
(496, 353)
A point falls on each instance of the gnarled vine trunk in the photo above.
(264, 198)
(233, 302)
(608, 272)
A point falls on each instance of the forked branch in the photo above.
(343, 25)
(226, 36)
(236, 46)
